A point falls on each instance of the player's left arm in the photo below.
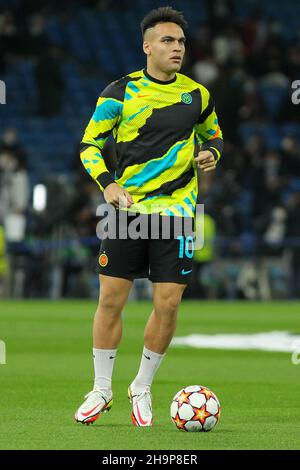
(209, 134)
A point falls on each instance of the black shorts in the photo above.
(156, 257)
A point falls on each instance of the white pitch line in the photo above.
(277, 341)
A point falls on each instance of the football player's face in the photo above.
(164, 45)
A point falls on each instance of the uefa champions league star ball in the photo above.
(195, 408)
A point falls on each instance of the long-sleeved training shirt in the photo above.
(155, 125)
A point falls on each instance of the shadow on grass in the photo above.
(157, 426)
(99, 425)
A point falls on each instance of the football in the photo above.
(195, 408)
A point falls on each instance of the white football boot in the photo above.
(141, 407)
(97, 401)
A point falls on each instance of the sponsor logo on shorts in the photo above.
(184, 272)
(103, 260)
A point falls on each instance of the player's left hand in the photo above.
(206, 160)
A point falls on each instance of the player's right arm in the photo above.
(105, 119)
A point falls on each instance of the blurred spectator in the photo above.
(10, 143)
(206, 72)
(275, 232)
(293, 230)
(9, 34)
(291, 157)
(4, 266)
(274, 75)
(228, 47)
(246, 56)
(220, 12)
(14, 195)
(82, 213)
(289, 111)
(292, 65)
(228, 95)
(272, 170)
(50, 82)
(252, 108)
(36, 38)
(200, 47)
(203, 283)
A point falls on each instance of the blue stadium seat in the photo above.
(273, 97)
(84, 36)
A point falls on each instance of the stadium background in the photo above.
(55, 58)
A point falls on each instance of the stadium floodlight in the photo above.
(39, 197)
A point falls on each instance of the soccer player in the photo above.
(156, 115)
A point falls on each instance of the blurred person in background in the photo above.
(9, 35)
(36, 41)
(50, 82)
(10, 143)
(244, 51)
(290, 153)
(4, 265)
(14, 197)
(14, 194)
(293, 231)
(202, 283)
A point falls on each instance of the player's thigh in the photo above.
(113, 292)
(123, 258)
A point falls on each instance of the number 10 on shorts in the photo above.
(186, 246)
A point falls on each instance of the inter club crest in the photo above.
(103, 260)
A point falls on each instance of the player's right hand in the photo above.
(117, 196)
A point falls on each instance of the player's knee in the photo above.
(109, 301)
(168, 300)
(112, 295)
(168, 304)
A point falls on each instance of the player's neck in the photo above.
(160, 75)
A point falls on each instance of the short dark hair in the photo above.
(163, 15)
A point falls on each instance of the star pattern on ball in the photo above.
(200, 414)
(179, 422)
(183, 398)
(208, 393)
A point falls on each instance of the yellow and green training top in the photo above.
(155, 125)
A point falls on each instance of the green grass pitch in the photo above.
(49, 369)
